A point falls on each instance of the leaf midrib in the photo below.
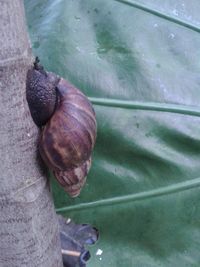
(160, 14)
(171, 189)
(153, 106)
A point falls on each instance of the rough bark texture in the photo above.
(28, 224)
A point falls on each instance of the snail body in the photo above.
(68, 126)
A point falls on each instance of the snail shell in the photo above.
(68, 126)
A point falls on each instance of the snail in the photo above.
(68, 126)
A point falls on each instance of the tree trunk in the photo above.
(28, 224)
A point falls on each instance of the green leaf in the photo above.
(139, 64)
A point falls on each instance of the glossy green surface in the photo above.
(140, 64)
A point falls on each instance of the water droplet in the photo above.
(99, 251)
(171, 35)
(175, 12)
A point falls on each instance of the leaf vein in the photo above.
(153, 106)
(160, 14)
(171, 189)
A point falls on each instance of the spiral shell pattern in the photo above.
(73, 180)
(68, 138)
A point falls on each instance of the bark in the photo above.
(28, 224)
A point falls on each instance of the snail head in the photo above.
(41, 93)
